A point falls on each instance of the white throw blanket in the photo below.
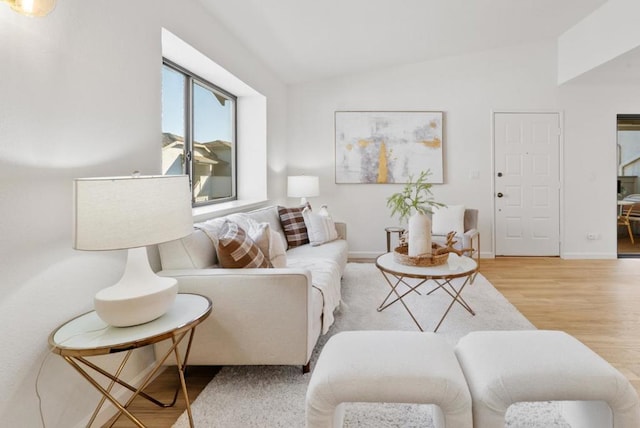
(325, 276)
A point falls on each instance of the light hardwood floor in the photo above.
(625, 246)
(597, 301)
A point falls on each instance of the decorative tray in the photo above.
(438, 256)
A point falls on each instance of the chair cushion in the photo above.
(447, 219)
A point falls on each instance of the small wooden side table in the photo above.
(390, 230)
(87, 335)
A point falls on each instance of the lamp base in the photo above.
(139, 297)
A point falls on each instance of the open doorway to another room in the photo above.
(628, 143)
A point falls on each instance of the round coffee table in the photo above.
(396, 274)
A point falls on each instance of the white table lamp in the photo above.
(113, 213)
(303, 187)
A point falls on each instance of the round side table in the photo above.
(87, 335)
(390, 230)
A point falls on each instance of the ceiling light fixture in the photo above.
(32, 7)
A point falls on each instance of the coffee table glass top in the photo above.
(454, 267)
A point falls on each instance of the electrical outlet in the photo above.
(592, 236)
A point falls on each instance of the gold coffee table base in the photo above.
(396, 274)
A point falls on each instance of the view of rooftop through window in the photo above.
(198, 128)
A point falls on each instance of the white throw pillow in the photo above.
(277, 252)
(320, 228)
(446, 219)
(260, 233)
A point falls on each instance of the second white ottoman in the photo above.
(387, 367)
(507, 367)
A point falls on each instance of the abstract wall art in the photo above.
(388, 146)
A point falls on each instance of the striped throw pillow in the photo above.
(237, 250)
(293, 225)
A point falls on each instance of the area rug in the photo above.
(274, 396)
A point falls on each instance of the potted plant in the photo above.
(415, 202)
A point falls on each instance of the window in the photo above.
(199, 134)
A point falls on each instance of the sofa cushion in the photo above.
(237, 250)
(320, 228)
(335, 250)
(293, 225)
(194, 251)
(325, 277)
(447, 219)
(268, 215)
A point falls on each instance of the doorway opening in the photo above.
(628, 185)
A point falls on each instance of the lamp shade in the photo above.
(114, 213)
(303, 186)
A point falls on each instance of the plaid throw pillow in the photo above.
(293, 225)
(237, 250)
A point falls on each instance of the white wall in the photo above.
(80, 96)
(608, 32)
(467, 88)
(591, 163)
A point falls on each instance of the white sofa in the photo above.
(261, 316)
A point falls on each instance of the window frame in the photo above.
(192, 78)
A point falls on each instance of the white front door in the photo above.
(527, 183)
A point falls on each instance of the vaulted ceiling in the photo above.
(304, 40)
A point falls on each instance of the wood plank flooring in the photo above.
(597, 301)
(625, 246)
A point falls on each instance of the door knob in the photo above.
(500, 194)
(499, 174)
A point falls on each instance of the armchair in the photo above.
(445, 220)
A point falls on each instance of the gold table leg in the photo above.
(399, 297)
(456, 295)
(123, 409)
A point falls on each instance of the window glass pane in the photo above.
(173, 129)
(213, 143)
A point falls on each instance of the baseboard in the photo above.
(109, 410)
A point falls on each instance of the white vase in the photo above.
(419, 235)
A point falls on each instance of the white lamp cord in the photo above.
(44, 360)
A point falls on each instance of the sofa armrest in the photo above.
(249, 286)
(341, 228)
(246, 304)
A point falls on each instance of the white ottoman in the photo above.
(507, 367)
(389, 367)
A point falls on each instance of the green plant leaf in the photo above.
(416, 196)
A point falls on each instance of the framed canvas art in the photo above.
(387, 146)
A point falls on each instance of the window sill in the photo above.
(218, 210)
